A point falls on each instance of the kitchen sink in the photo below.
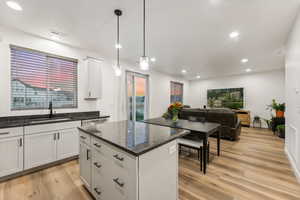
(41, 120)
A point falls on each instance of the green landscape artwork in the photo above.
(232, 98)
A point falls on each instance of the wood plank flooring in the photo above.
(254, 168)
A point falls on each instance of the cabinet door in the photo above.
(40, 149)
(94, 79)
(67, 143)
(85, 165)
(100, 169)
(11, 154)
(97, 182)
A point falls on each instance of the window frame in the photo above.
(76, 101)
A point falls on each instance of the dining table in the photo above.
(201, 129)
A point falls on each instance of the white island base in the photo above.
(110, 173)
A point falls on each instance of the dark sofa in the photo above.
(231, 125)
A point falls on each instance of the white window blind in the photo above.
(176, 92)
(38, 78)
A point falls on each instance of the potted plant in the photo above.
(278, 107)
(173, 111)
(281, 131)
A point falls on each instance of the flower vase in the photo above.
(175, 117)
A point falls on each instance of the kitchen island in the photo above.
(129, 160)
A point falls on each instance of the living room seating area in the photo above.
(230, 124)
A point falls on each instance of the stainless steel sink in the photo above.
(36, 121)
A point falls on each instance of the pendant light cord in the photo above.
(144, 29)
(118, 40)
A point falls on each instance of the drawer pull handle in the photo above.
(20, 142)
(118, 157)
(97, 145)
(4, 133)
(97, 165)
(88, 154)
(82, 137)
(97, 191)
(116, 180)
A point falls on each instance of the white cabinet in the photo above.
(110, 173)
(67, 143)
(98, 184)
(33, 146)
(11, 154)
(93, 78)
(50, 142)
(107, 172)
(85, 163)
(40, 149)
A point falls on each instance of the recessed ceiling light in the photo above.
(248, 70)
(244, 60)
(14, 5)
(153, 59)
(118, 46)
(198, 77)
(183, 71)
(234, 34)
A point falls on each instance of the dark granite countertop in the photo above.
(11, 123)
(30, 120)
(200, 127)
(135, 138)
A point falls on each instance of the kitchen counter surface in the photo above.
(135, 138)
(30, 120)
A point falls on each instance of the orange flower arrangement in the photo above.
(173, 111)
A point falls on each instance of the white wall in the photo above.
(259, 89)
(113, 93)
(293, 97)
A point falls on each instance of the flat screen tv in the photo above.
(226, 98)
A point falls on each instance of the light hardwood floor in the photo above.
(254, 168)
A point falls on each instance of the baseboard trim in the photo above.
(29, 171)
(292, 162)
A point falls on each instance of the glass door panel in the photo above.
(137, 96)
(140, 98)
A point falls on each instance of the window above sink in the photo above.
(38, 78)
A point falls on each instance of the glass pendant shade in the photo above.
(118, 46)
(144, 63)
(118, 71)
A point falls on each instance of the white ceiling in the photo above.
(190, 34)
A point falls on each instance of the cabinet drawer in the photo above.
(122, 160)
(51, 127)
(98, 162)
(97, 183)
(100, 147)
(123, 184)
(11, 132)
(85, 138)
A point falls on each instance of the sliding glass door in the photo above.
(137, 96)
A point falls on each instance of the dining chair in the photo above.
(193, 143)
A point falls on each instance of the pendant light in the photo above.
(144, 60)
(118, 71)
